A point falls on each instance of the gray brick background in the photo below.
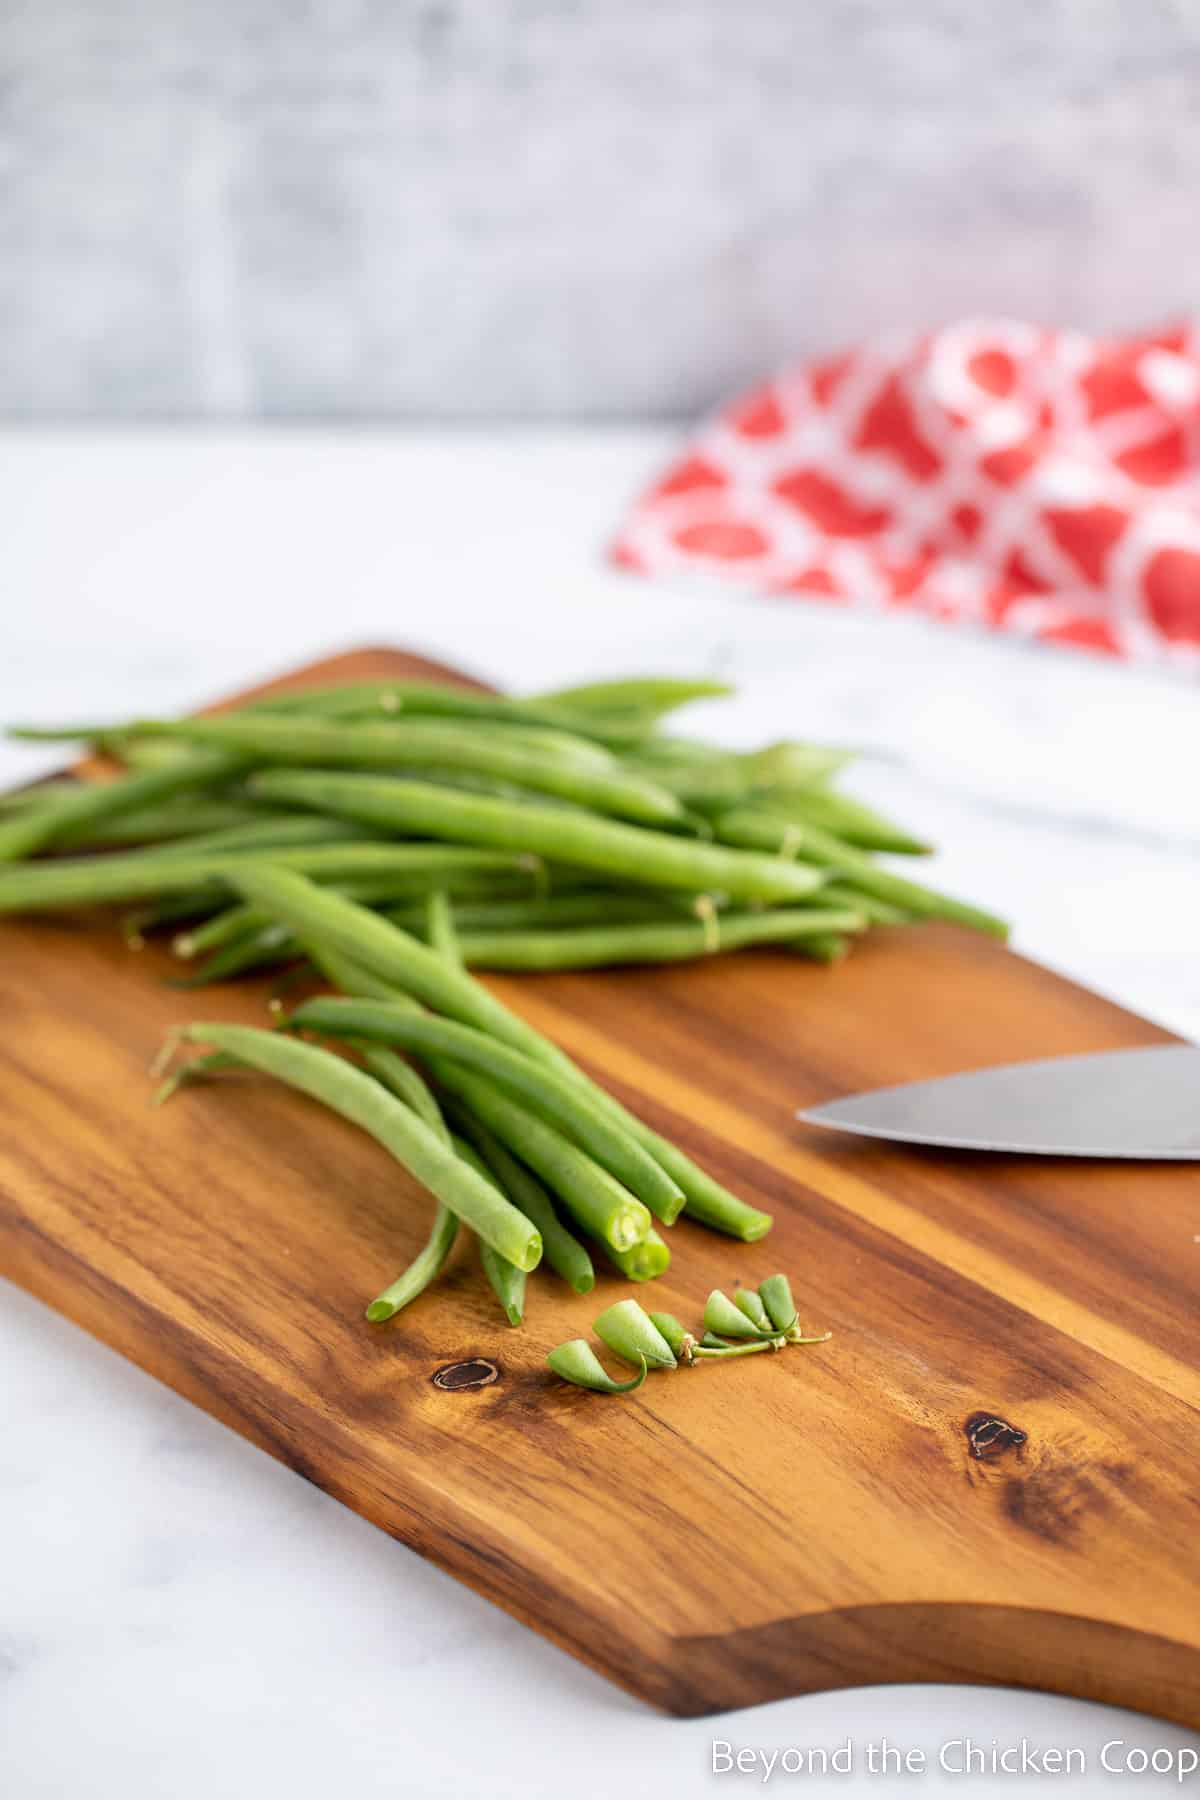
(597, 208)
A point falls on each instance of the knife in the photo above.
(1142, 1104)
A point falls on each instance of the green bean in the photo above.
(563, 1252)
(631, 1334)
(267, 833)
(593, 907)
(850, 820)
(732, 778)
(506, 1281)
(593, 1196)
(401, 1079)
(655, 694)
(321, 919)
(38, 827)
(422, 743)
(439, 928)
(362, 1100)
(261, 949)
(425, 1267)
(674, 941)
(823, 946)
(874, 910)
(140, 875)
(578, 1363)
(646, 1260)
(538, 1085)
(227, 926)
(169, 824)
(746, 826)
(651, 857)
(705, 1199)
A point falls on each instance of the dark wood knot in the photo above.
(475, 1372)
(989, 1436)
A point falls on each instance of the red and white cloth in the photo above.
(996, 473)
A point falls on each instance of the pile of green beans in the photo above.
(387, 839)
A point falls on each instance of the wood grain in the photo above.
(987, 1474)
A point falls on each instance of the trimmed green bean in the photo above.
(425, 1267)
(421, 744)
(539, 1086)
(439, 928)
(653, 858)
(506, 1281)
(646, 1260)
(706, 1200)
(747, 826)
(562, 1251)
(401, 1079)
(658, 941)
(320, 918)
(365, 1102)
(172, 823)
(593, 1196)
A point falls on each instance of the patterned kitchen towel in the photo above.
(995, 473)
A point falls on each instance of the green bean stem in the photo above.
(362, 1100)
(723, 1317)
(652, 858)
(578, 1363)
(439, 928)
(425, 1267)
(776, 1295)
(631, 1334)
(748, 1301)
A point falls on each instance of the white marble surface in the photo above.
(178, 1615)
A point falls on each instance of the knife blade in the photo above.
(1141, 1104)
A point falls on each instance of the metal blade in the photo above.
(1142, 1104)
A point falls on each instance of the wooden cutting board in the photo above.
(989, 1473)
